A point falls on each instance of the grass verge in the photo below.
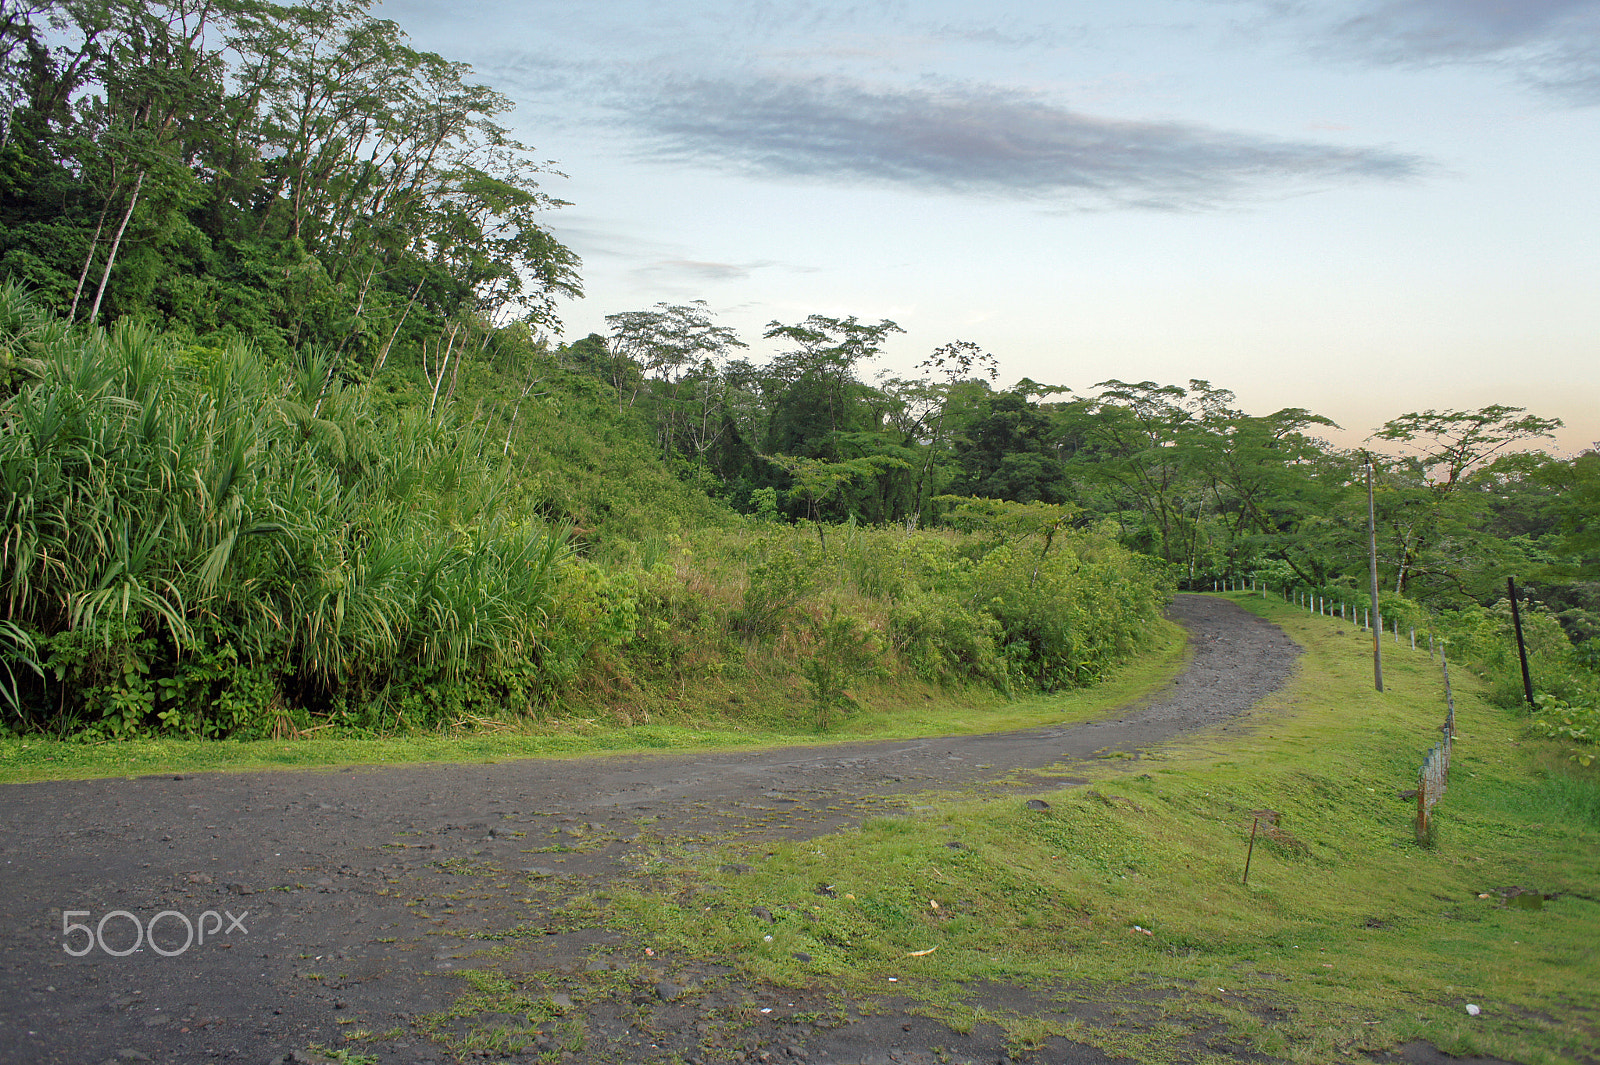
(1349, 937)
(758, 715)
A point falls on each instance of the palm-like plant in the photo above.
(163, 504)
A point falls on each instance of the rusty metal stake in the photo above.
(1251, 852)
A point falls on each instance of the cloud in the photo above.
(1408, 30)
(695, 270)
(1553, 45)
(594, 239)
(979, 140)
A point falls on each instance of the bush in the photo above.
(1579, 722)
(206, 542)
(784, 571)
(1565, 704)
(843, 650)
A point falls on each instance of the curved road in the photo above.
(297, 906)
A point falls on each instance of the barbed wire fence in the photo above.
(1434, 775)
(1330, 606)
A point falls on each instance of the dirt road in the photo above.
(252, 917)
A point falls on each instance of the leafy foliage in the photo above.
(844, 650)
(203, 540)
(290, 174)
(1561, 720)
(321, 465)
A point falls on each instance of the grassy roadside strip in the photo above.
(894, 710)
(1348, 939)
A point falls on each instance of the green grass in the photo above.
(1365, 939)
(892, 711)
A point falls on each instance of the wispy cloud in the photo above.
(595, 239)
(979, 140)
(699, 271)
(1551, 44)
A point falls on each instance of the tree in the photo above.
(679, 346)
(1577, 504)
(958, 361)
(818, 481)
(670, 337)
(1141, 435)
(1451, 444)
(1005, 453)
(1432, 514)
(1261, 471)
(818, 374)
(295, 174)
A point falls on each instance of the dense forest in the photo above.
(285, 443)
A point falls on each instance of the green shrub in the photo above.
(944, 640)
(843, 650)
(1578, 721)
(206, 542)
(784, 571)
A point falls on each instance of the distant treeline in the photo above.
(1187, 476)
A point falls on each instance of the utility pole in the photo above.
(1372, 565)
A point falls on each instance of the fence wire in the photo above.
(1435, 774)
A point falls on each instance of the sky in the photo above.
(1364, 208)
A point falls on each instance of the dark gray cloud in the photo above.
(1406, 30)
(1005, 38)
(981, 140)
(1551, 44)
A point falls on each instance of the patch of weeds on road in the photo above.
(343, 1055)
(465, 867)
(1349, 937)
(1027, 1035)
(519, 932)
(486, 982)
(501, 1014)
(580, 912)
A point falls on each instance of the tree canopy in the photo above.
(288, 173)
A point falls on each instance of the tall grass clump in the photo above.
(199, 541)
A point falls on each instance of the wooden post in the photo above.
(1424, 830)
(1270, 817)
(1522, 649)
